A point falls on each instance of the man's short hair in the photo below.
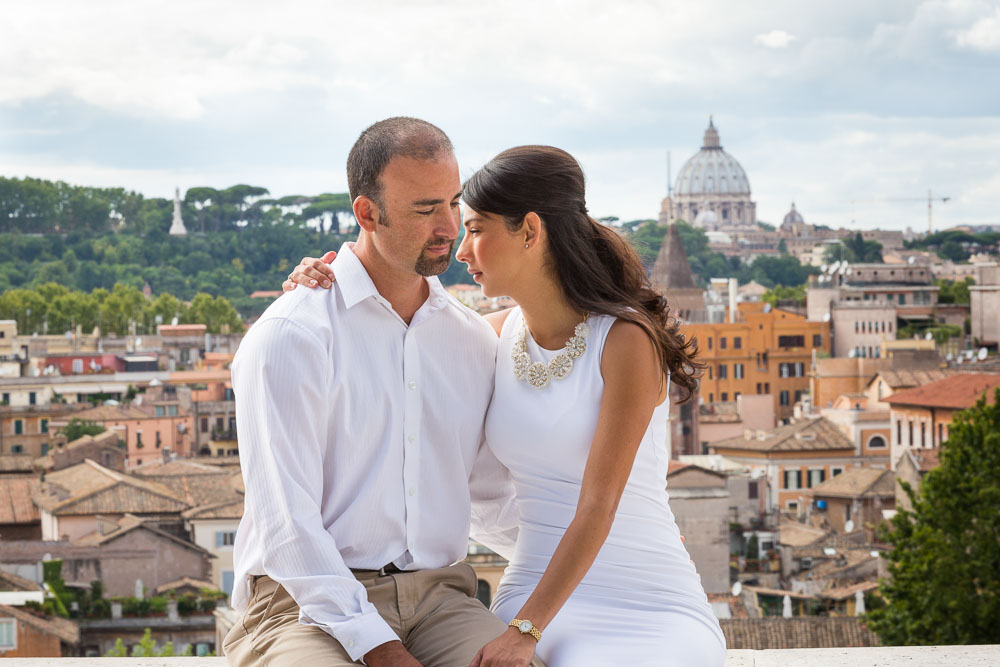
(386, 139)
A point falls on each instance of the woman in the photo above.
(579, 416)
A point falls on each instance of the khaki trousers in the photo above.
(434, 613)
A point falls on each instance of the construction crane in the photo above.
(930, 199)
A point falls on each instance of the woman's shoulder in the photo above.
(497, 319)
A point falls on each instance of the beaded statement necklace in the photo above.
(537, 374)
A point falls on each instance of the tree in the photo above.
(77, 428)
(944, 585)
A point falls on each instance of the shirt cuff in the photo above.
(362, 634)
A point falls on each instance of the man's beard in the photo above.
(432, 266)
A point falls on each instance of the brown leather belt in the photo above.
(383, 571)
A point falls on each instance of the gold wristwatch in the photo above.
(526, 627)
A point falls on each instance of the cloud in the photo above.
(776, 39)
(983, 35)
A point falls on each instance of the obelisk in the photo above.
(177, 224)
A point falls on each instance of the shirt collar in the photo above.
(356, 285)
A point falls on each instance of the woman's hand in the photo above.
(311, 272)
(511, 649)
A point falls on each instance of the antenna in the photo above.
(670, 178)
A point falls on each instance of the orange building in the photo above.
(765, 351)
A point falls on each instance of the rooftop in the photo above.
(858, 483)
(958, 392)
(899, 379)
(16, 492)
(90, 488)
(808, 434)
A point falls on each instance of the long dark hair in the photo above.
(598, 270)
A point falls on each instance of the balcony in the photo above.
(891, 656)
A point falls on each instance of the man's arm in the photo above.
(494, 510)
(280, 378)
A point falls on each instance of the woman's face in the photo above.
(494, 254)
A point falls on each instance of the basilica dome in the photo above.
(712, 171)
(793, 217)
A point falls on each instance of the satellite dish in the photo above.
(829, 551)
(849, 526)
(948, 357)
(826, 317)
(982, 353)
(737, 589)
(822, 268)
(174, 322)
(68, 335)
(852, 354)
(138, 341)
(928, 336)
(767, 308)
(959, 359)
(911, 260)
(111, 401)
(969, 354)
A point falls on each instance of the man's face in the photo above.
(419, 214)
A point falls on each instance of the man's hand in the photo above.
(390, 654)
(311, 272)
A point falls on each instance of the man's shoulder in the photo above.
(470, 321)
(304, 312)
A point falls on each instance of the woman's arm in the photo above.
(633, 387)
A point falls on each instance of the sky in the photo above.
(837, 106)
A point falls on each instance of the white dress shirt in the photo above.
(361, 441)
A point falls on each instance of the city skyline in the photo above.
(848, 104)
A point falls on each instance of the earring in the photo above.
(525, 246)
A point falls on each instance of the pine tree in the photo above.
(945, 562)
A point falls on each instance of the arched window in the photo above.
(876, 442)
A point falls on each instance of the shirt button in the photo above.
(350, 643)
(413, 491)
(413, 385)
(411, 437)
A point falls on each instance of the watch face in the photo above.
(525, 626)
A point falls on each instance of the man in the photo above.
(360, 411)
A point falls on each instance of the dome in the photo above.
(712, 170)
(793, 217)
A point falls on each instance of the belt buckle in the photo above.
(382, 572)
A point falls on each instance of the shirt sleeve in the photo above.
(494, 516)
(280, 377)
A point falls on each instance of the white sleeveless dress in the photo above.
(641, 602)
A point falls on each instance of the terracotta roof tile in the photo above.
(63, 628)
(902, 378)
(16, 493)
(802, 632)
(104, 413)
(858, 482)
(90, 488)
(845, 592)
(16, 463)
(959, 391)
(12, 582)
(795, 534)
(809, 434)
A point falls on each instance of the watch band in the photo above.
(526, 627)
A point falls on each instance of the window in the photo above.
(225, 538)
(857, 327)
(923, 434)
(800, 369)
(722, 343)
(78, 366)
(43, 426)
(8, 634)
(890, 327)
(711, 397)
(17, 449)
(760, 388)
(6, 398)
(816, 477)
(784, 370)
(159, 411)
(767, 387)
(902, 299)
(736, 396)
(876, 442)
(783, 397)
(737, 343)
(722, 371)
(835, 471)
(940, 434)
(204, 424)
(791, 341)
(817, 340)
(138, 438)
(910, 443)
(220, 423)
(18, 426)
(752, 490)
(171, 410)
(710, 372)
(725, 396)
(899, 431)
(798, 395)
(738, 371)
(31, 398)
(45, 448)
(710, 343)
(158, 440)
(793, 479)
(227, 587)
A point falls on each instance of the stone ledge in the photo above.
(885, 656)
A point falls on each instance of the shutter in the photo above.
(218, 539)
